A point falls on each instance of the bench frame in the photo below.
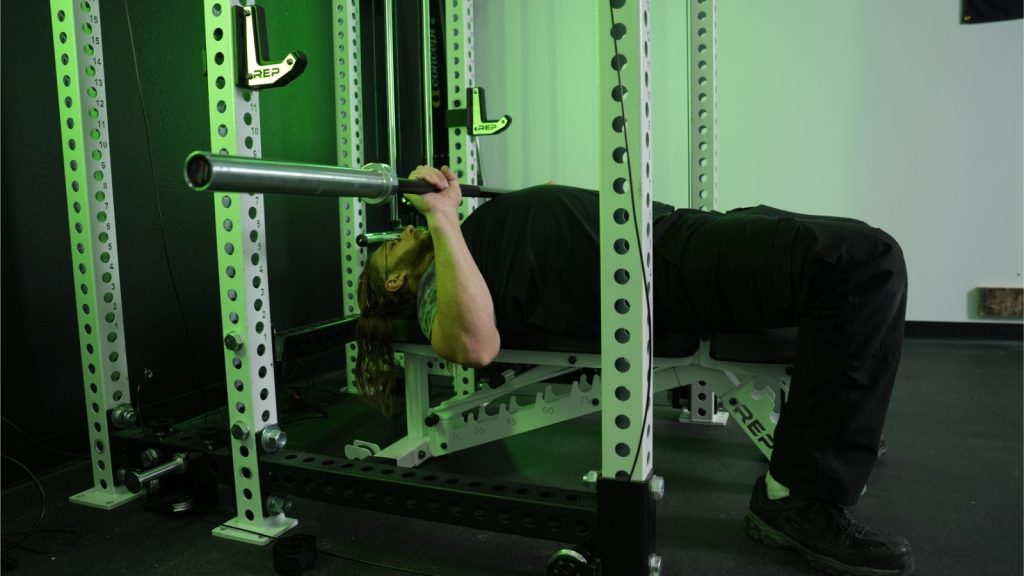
(750, 392)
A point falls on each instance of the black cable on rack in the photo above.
(636, 227)
(646, 280)
(160, 214)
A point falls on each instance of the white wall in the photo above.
(535, 61)
(890, 112)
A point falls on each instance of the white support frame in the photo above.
(703, 147)
(751, 392)
(458, 50)
(78, 54)
(626, 278)
(242, 267)
(458, 24)
(625, 392)
(465, 422)
(703, 48)
(348, 120)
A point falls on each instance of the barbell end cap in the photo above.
(198, 171)
(390, 176)
(132, 482)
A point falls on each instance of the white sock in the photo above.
(776, 491)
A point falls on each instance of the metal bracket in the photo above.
(360, 450)
(253, 51)
(702, 406)
(474, 116)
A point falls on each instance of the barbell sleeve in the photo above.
(136, 480)
(374, 183)
(371, 238)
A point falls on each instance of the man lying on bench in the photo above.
(528, 262)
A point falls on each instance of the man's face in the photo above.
(410, 254)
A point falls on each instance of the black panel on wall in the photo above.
(980, 11)
(41, 377)
(409, 96)
(439, 81)
(373, 81)
(164, 230)
(298, 126)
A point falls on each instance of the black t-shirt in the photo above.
(537, 249)
(538, 252)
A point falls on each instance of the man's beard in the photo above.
(420, 257)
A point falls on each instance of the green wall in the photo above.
(179, 343)
(537, 61)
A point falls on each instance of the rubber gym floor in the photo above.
(950, 483)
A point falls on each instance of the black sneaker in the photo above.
(826, 536)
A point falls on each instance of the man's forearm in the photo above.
(464, 331)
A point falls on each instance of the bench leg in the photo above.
(755, 406)
(414, 448)
(703, 407)
(753, 400)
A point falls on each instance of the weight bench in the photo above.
(742, 374)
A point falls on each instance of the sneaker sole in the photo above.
(758, 530)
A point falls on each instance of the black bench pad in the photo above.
(762, 346)
(678, 345)
(776, 346)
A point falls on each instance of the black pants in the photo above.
(841, 282)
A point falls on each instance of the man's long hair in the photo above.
(375, 363)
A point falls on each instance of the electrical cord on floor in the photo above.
(322, 414)
(374, 564)
(6, 538)
(298, 392)
(42, 511)
(303, 419)
(39, 444)
(303, 391)
(75, 537)
(321, 551)
(288, 382)
(299, 404)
